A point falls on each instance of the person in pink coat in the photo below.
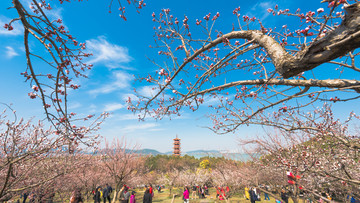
(132, 197)
(186, 195)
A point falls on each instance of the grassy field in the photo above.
(164, 196)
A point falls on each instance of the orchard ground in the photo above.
(165, 196)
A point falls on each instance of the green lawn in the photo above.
(164, 196)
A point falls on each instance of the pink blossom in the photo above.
(320, 10)
(32, 95)
(168, 79)
(35, 88)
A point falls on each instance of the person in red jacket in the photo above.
(151, 191)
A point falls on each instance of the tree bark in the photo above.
(343, 39)
(337, 43)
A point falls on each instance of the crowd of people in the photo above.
(37, 196)
(253, 194)
(102, 194)
(199, 191)
(130, 197)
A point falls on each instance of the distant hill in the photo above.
(199, 154)
(148, 152)
(203, 153)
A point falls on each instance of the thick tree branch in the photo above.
(336, 83)
(337, 43)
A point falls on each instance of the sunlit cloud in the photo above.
(121, 80)
(74, 105)
(124, 117)
(132, 97)
(105, 53)
(148, 91)
(140, 127)
(113, 106)
(10, 52)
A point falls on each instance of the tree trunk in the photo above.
(115, 195)
(295, 199)
(172, 201)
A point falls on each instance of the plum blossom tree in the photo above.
(52, 71)
(28, 155)
(323, 154)
(120, 163)
(170, 178)
(253, 69)
(263, 76)
(85, 172)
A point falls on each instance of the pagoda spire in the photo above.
(177, 151)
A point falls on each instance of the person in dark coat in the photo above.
(253, 196)
(284, 196)
(25, 196)
(147, 197)
(97, 196)
(106, 193)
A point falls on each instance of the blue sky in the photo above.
(120, 51)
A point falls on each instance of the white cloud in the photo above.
(147, 126)
(148, 91)
(55, 14)
(110, 55)
(74, 105)
(18, 28)
(10, 52)
(124, 117)
(259, 10)
(122, 81)
(126, 97)
(93, 108)
(113, 107)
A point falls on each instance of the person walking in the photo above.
(106, 193)
(76, 196)
(147, 197)
(284, 196)
(126, 196)
(186, 195)
(247, 193)
(267, 198)
(151, 190)
(202, 192)
(24, 196)
(97, 195)
(132, 197)
(193, 192)
(253, 196)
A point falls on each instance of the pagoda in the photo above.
(177, 151)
